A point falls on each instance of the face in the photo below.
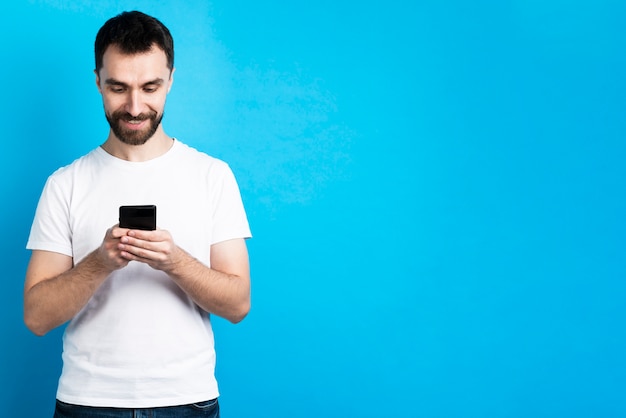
(134, 89)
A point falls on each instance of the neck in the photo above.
(154, 147)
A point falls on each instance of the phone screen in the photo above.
(138, 217)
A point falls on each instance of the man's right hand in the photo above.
(56, 290)
(109, 252)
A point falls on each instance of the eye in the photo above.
(117, 89)
(151, 88)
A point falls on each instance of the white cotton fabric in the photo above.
(140, 341)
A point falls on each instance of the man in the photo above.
(137, 302)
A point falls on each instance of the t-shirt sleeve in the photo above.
(229, 216)
(50, 230)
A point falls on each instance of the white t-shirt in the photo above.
(140, 341)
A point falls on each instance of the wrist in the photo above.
(179, 262)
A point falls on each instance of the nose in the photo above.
(133, 103)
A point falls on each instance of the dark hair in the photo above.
(134, 32)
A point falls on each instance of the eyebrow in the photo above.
(114, 82)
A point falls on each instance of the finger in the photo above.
(155, 235)
(142, 235)
(117, 232)
(139, 249)
(138, 244)
(133, 254)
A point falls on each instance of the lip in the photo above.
(134, 126)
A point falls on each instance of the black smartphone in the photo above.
(138, 217)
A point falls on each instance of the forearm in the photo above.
(219, 293)
(54, 301)
(223, 289)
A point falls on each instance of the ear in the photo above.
(171, 80)
(98, 81)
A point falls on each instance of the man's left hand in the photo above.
(155, 248)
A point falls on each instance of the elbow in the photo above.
(35, 321)
(238, 314)
(36, 327)
(34, 318)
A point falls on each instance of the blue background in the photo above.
(436, 192)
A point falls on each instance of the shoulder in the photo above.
(189, 155)
(70, 170)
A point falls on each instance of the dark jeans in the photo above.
(206, 409)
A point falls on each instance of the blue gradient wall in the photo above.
(436, 192)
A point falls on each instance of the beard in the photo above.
(131, 136)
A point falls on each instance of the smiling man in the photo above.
(139, 340)
(134, 108)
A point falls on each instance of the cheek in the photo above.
(111, 105)
(155, 103)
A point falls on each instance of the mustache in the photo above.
(127, 117)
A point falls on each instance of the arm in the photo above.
(55, 290)
(223, 289)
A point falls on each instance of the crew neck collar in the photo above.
(122, 162)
